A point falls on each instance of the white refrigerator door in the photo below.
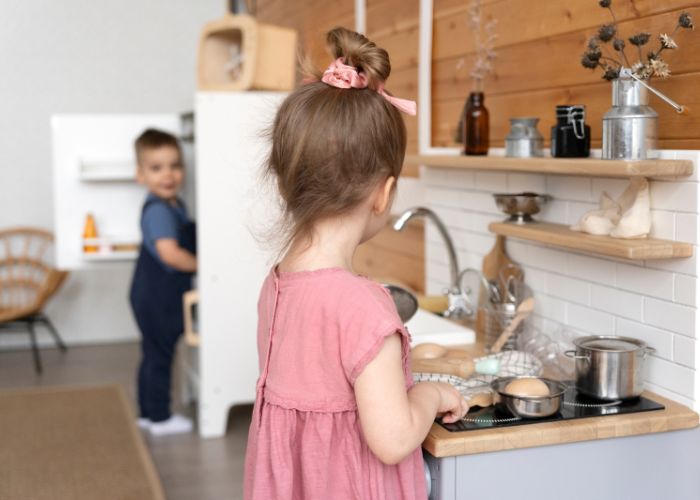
(94, 171)
(234, 208)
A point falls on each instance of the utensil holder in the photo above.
(496, 318)
(498, 315)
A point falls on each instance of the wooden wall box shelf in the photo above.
(266, 55)
(593, 167)
(559, 235)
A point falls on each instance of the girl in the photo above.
(337, 415)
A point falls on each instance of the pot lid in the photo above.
(610, 343)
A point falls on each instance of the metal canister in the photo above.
(630, 126)
(571, 137)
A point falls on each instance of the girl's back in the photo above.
(317, 331)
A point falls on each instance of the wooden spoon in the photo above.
(524, 309)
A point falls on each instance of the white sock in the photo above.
(176, 424)
(143, 423)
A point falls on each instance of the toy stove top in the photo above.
(574, 405)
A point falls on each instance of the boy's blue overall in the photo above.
(156, 299)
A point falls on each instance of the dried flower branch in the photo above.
(667, 42)
(484, 41)
(685, 21)
(612, 63)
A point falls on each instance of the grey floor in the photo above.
(190, 468)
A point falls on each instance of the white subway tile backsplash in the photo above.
(551, 307)
(438, 272)
(555, 211)
(589, 320)
(461, 179)
(618, 302)
(569, 188)
(692, 155)
(548, 259)
(479, 201)
(684, 351)
(670, 316)
(592, 269)
(670, 375)
(674, 396)
(494, 182)
(686, 228)
(684, 289)
(661, 340)
(654, 300)
(662, 225)
(435, 176)
(440, 196)
(534, 183)
(569, 289)
(674, 195)
(688, 265)
(645, 281)
(534, 278)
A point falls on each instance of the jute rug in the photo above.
(75, 443)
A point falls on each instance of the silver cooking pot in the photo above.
(610, 367)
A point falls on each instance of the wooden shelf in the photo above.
(593, 167)
(561, 236)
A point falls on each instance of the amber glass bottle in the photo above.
(476, 125)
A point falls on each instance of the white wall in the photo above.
(83, 56)
(655, 300)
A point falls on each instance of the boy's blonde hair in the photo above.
(332, 146)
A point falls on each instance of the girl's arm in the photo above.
(395, 421)
(175, 256)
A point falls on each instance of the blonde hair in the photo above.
(332, 146)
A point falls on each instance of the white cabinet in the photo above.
(94, 171)
(234, 209)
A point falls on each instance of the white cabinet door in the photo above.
(234, 208)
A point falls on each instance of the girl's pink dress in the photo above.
(317, 330)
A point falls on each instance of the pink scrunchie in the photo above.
(342, 76)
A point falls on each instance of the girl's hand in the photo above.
(453, 406)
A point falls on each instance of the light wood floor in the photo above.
(190, 468)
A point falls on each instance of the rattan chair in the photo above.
(27, 282)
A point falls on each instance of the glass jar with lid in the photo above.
(571, 137)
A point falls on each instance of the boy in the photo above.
(163, 273)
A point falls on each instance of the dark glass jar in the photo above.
(571, 137)
(476, 125)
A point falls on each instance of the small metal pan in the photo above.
(528, 406)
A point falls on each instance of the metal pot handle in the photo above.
(572, 354)
(648, 350)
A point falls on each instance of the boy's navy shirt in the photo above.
(160, 221)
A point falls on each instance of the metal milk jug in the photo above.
(524, 140)
(630, 126)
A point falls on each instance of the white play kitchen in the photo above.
(560, 294)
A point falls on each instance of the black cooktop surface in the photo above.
(574, 405)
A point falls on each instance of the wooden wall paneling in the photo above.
(395, 255)
(597, 97)
(522, 20)
(386, 16)
(554, 61)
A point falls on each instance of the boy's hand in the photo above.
(175, 256)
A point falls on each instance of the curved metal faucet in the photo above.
(458, 302)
